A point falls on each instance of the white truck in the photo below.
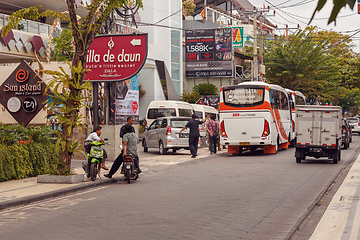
(318, 132)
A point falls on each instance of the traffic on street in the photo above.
(251, 196)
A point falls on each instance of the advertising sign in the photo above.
(22, 93)
(127, 100)
(209, 53)
(116, 57)
(213, 101)
(238, 37)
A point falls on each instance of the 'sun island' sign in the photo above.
(116, 57)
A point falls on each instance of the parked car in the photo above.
(163, 134)
(345, 134)
(354, 123)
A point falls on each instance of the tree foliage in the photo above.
(63, 46)
(190, 97)
(320, 64)
(337, 6)
(83, 33)
(205, 89)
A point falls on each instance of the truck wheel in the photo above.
(298, 159)
(336, 157)
(346, 145)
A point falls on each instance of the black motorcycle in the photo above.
(130, 173)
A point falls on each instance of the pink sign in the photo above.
(116, 57)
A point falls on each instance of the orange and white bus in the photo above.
(253, 115)
(295, 98)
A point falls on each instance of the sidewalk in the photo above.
(341, 219)
(24, 191)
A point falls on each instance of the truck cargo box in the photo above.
(318, 132)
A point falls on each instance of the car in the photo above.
(354, 123)
(345, 134)
(163, 134)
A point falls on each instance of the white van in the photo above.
(167, 108)
(202, 111)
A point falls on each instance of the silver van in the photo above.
(163, 134)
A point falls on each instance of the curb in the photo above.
(56, 193)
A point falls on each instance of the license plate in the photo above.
(315, 149)
(244, 143)
(184, 135)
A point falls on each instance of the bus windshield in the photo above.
(243, 96)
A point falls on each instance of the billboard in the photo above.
(209, 53)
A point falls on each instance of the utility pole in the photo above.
(261, 42)
(255, 55)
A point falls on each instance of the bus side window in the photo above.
(272, 100)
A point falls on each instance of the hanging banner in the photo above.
(127, 100)
(116, 57)
(209, 53)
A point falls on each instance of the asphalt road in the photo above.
(253, 196)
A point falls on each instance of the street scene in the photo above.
(191, 119)
(252, 196)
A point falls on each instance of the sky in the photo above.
(294, 12)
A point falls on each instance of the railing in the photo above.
(28, 26)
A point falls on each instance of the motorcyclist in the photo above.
(95, 136)
(130, 142)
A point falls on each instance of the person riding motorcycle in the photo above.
(95, 136)
(130, 142)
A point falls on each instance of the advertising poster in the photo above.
(238, 37)
(209, 53)
(127, 100)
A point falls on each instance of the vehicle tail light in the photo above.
(293, 125)
(266, 131)
(223, 133)
(145, 123)
(168, 131)
(358, 123)
(127, 159)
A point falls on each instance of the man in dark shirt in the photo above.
(194, 135)
(118, 161)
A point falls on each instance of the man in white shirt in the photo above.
(95, 136)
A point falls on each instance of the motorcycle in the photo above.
(130, 173)
(95, 157)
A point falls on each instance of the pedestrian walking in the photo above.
(194, 135)
(118, 161)
(212, 128)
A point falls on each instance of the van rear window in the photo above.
(198, 114)
(185, 112)
(161, 112)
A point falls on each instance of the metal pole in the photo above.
(95, 104)
(255, 57)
